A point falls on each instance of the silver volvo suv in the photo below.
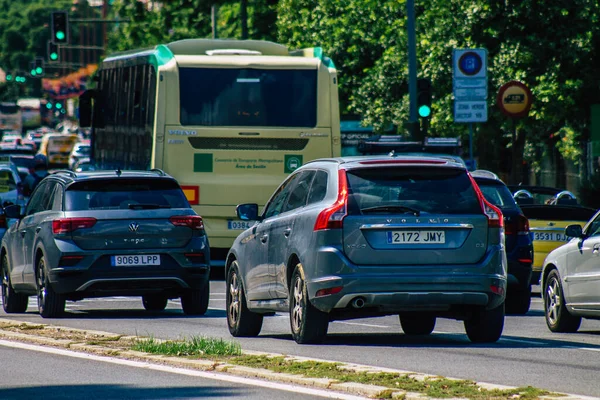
(371, 236)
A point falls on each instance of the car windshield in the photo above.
(497, 194)
(411, 191)
(124, 193)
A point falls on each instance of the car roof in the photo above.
(390, 159)
(71, 176)
(485, 175)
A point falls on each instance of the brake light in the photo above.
(332, 217)
(191, 221)
(63, 226)
(195, 258)
(411, 161)
(328, 291)
(520, 226)
(3, 223)
(69, 261)
(493, 213)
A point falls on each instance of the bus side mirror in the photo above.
(91, 109)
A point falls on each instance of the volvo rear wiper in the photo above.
(388, 208)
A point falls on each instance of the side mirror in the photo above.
(247, 212)
(12, 211)
(574, 231)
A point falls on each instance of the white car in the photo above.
(570, 279)
(80, 150)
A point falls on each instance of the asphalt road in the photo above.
(48, 376)
(527, 354)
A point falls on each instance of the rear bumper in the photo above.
(94, 276)
(392, 289)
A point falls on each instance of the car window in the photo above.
(37, 198)
(497, 194)
(124, 193)
(277, 201)
(57, 198)
(426, 189)
(318, 189)
(7, 181)
(48, 199)
(299, 193)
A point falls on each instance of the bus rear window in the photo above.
(248, 97)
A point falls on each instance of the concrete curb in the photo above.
(357, 389)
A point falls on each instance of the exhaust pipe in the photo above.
(358, 302)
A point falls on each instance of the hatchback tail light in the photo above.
(493, 213)
(332, 217)
(62, 226)
(518, 226)
(191, 221)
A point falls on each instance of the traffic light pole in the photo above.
(412, 69)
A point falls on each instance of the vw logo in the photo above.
(133, 227)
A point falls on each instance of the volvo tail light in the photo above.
(62, 226)
(332, 217)
(191, 221)
(493, 213)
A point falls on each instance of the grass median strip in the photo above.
(230, 352)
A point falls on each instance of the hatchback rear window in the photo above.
(124, 194)
(497, 194)
(427, 190)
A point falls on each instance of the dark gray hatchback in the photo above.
(105, 233)
(370, 236)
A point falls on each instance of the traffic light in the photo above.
(60, 27)
(424, 97)
(9, 77)
(32, 71)
(52, 52)
(39, 66)
(49, 105)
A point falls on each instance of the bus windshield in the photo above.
(248, 97)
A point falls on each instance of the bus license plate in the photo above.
(135, 261)
(416, 237)
(239, 225)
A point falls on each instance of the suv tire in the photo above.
(519, 301)
(309, 325)
(417, 324)
(195, 302)
(558, 318)
(154, 302)
(241, 321)
(50, 303)
(12, 302)
(485, 326)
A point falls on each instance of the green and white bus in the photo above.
(229, 119)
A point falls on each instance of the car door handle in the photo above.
(38, 229)
(287, 232)
(596, 248)
(264, 238)
(23, 232)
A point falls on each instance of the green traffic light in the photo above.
(60, 35)
(49, 106)
(9, 77)
(54, 56)
(58, 106)
(424, 111)
(33, 72)
(39, 70)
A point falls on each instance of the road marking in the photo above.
(361, 324)
(174, 370)
(521, 341)
(582, 348)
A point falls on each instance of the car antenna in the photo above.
(118, 171)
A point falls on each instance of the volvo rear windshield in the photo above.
(411, 191)
(134, 194)
(248, 97)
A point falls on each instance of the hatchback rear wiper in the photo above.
(146, 206)
(388, 208)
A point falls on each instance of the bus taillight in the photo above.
(192, 193)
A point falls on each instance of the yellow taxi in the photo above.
(550, 211)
